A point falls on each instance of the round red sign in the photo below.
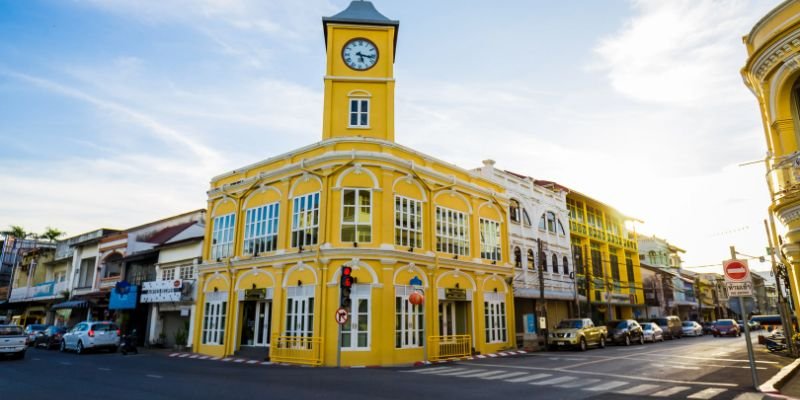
(735, 270)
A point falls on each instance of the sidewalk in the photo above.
(786, 383)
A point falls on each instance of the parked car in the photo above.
(652, 332)
(50, 337)
(708, 327)
(578, 333)
(91, 335)
(625, 331)
(32, 330)
(13, 341)
(726, 327)
(692, 328)
(671, 325)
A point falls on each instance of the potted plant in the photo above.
(180, 339)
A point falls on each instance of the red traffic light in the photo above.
(347, 271)
(347, 281)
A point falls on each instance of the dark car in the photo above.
(625, 331)
(726, 327)
(671, 325)
(49, 338)
(33, 330)
(708, 327)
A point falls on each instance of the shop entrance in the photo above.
(454, 318)
(256, 323)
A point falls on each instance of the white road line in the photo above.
(194, 356)
(553, 381)
(606, 386)
(240, 360)
(204, 357)
(427, 370)
(639, 389)
(681, 366)
(154, 376)
(707, 393)
(456, 371)
(528, 378)
(670, 391)
(252, 362)
(174, 354)
(184, 355)
(266, 363)
(506, 375)
(482, 374)
(104, 369)
(579, 383)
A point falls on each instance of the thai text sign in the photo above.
(738, 289)
(162, 291)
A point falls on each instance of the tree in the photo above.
(52, 234)
(16, 231)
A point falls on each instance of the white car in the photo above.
(691, 328)
(12, 341)
(652, 332)
(91, 335)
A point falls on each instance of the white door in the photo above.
(299, 316)
(263, 323)
(447, 315)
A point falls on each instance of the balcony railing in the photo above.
(600, 234)
(296, 350)
(446, 347)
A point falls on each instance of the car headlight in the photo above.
(568, 335)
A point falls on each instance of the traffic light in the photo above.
(346, 285)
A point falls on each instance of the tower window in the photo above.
(359, 113)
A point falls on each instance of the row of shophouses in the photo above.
(498, 257)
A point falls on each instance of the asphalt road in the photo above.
(702, 368)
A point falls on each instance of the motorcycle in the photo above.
(128, 344)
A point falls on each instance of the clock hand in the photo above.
(365, 55)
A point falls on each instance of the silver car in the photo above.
(91, 335)
(692, 328)
(652, 332)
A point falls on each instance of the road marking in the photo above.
(639, 389)
(427, 370)
(227, 360)
(64, 363)
(266, 363)
(670, 391)
(154, 376)
(174, 354)
(204, 357)
(579, 383)
(194, 356)
(252, 362)
(506, 375)
(553, 381)
(606, 386)
(707, 393)
(481, 374)
(528, 378)
(681, 366)
(184, 355)
(104, 369)
(239, 360)
(456, 371)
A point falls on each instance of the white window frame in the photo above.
(357, 210)
(222, 236)
(60, 276)
(449, 224)
(261, 224)
(305, 209)
(168, 273)
(358, 294)
(409, 320)
(408, 219)
(214, 317)
(187, 272)
(495, 311)
(300, 312)
(491, 244)
(358, 113)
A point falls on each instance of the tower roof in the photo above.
(360, 12)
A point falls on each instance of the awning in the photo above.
(71, 304)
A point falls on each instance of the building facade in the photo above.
(282, 231)
(772, 73)
(605, 251)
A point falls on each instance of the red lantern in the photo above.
(416, 298)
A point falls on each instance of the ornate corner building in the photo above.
(772, 73)
(281, 231)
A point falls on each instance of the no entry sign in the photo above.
(736, 270)
(341, 316)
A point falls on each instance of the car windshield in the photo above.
(617, 324)
(660, 321)
(570, 324)
(10, 330)
(104, 327)
(36, 328)
(647, 326)
(688, 323)
(725, 322)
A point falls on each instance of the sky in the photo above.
(114, 113)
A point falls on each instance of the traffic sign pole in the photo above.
(750, 355)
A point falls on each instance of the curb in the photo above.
(770, 386)
(475, 357)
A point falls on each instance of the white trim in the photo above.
(254, 271)
(495, 278)
(222, 201)
(358, 169)
(454, 193)
(359, 93)
(359, 292)
(422, 276)
(419, 210)
(356, 264)
(226, 234)
(493, 247)
(409, 179)
(314, 201)
(263, 226)
(305, 177)
(211, 278)
(455, 221)
(457, 274)
(300, 267)
(260, 190)
(359, 112)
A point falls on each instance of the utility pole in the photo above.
(542, 306)
(782, 309)
(747, 339)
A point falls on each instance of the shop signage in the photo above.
(618, 297)
(455, 294)
(162, 291)
(255, 294)
(530, 324)
(123, 301)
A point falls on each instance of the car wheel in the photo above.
(79, 348)
(62, 347)
(627, 340)
(582, 344)
(602, 342)
(641, 339)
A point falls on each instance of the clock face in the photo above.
(360, 54)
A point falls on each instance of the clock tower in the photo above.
(359, 73)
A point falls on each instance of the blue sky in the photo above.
(115, 113)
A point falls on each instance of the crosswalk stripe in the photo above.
(579, 383)
(459, 371)
(639, 389)
(707, 393)
(481, 374)
(553, 381)
(670, 391)
(507, 375)
(449, 371)
(427, 370)
(528, 378)
(606, 386)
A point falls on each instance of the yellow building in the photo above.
(281, 231)
(606, 260)
(772, 73)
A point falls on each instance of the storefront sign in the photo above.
(123, 301)
(455, 294)
(162, 291)
(530, 324)
(255, 294)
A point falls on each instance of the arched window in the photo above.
(517, 257)
(542, 224)
(555, 263)
(560, 228)
(565, 261)
(513, 211)
(525, 218)
(531, 260)
(548, 222)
